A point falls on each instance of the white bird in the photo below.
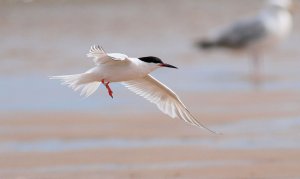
(134, 74)
(256, 35)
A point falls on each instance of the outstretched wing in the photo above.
(100, 56)
(165, 99)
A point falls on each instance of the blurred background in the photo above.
(49, 131)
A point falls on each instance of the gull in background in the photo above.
(256, 35)
(134, 74)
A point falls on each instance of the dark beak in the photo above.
(167, 65)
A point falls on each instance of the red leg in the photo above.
(110, 92)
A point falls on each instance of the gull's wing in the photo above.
(242, 33)
(165, 99)
(100, 56)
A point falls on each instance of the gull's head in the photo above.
(154, 62)
(284, 4)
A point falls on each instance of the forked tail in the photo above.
(79, 81)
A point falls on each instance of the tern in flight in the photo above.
(134, 74)
(254, 36)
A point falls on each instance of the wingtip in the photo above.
(208, 129)
(198, 124)
(95, 49)
(205, 44)
(51, 77)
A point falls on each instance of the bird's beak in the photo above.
(167, 65)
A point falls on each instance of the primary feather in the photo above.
(165, 99)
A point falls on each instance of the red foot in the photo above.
(110, 92)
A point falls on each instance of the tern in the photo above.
(134, 74)
(254, 36)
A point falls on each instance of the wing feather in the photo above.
(100, 56)
(165, 99)
(242, 33)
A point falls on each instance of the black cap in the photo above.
(151, 59)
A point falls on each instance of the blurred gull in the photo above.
(256, 35)
(134, 74)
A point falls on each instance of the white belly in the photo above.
(117, 72)
(278, 29)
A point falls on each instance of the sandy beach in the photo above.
(61, 145)
(48, 131)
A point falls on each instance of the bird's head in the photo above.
(155, 62)
(284, 4)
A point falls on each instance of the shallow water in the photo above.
(270, 134)
(125, 167)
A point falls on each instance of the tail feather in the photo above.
(89, 89)
(79, 81)
(205, 44)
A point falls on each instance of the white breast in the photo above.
(284, 24)
(118, 71)
(278, 25)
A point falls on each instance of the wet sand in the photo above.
(64, 145)
(48, 131)
(254, 144)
